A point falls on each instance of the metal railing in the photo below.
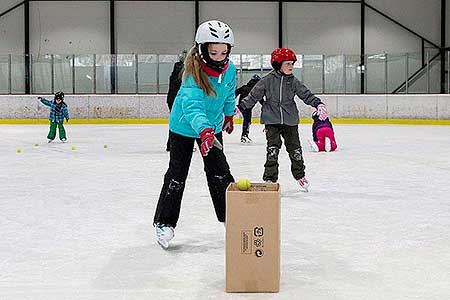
(149, 73)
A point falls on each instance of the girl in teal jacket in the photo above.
(203, 108)
(193, 111)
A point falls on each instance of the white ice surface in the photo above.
(78, 224)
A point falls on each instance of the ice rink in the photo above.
(77, 224)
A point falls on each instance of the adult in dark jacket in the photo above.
(174, 85)
(243, 92)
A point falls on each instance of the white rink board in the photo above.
(428, 107)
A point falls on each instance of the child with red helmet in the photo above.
(280, 114)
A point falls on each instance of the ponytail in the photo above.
(193, 66)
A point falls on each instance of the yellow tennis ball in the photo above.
(73, 148)
(243, 184)
(105, 146)
(18, 150)
(36, 145)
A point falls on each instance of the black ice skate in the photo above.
(245, 139)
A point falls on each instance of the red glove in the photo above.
(207, 138)
(228, 124)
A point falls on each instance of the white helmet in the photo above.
(214, 31)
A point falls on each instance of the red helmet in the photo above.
(282, 54)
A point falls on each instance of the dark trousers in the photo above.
(168, 141)
(247, 115)
(293, 147)
(52, 133)
(217, 174)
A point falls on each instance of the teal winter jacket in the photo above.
(193, 111)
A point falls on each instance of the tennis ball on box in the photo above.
(243, 184)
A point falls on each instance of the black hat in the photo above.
(59, 95)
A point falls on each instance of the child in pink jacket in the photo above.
(323, 134)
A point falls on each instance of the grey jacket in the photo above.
(279, 106)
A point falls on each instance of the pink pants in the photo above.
(322, 133)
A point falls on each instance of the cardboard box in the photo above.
(253, 238)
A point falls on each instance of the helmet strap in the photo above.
(276, 66)
(217, 66)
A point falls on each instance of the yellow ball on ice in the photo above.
(36, 145)
(73, 148)
(18, 150)
(243, 184)
(105, 146)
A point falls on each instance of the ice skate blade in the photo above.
(163, 244)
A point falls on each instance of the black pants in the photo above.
(168, 138)
(247, 114)
(217, 173)
(168, 142)
(293, 147)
